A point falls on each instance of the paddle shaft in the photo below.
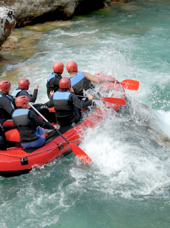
(95, 98)
(113, 100)
(115, 82)
(87, 97)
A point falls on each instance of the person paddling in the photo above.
(81, 80)
(26, 121)
(66, 104)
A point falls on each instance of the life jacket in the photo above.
(79, 82)
(51, 87)
(25, 126)
(17, 91)
(4, 115)
(64, 108)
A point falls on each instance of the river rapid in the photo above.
(127, 185)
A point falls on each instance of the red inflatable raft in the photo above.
(17, 160)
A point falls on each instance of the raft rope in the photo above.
(25, 156)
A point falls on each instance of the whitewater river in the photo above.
(127, 185)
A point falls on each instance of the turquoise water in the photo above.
(128, 183)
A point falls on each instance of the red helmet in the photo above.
(65, 83)
(22, 101)
(5, 86)
(58, 67)
(72, 66)
(24, 83)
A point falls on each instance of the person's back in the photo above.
(66, 104)
(54, 78)
(26, 121)
(80, 80)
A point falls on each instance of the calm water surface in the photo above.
(128, 183)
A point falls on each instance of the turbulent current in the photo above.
(127, 185)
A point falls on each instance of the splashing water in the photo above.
(128, 182)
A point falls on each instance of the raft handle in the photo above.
(60, 146)
(24, 161)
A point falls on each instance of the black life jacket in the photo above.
(79, 83)
(4, 115)
(63, 106)
(51, 87)
(25, 126)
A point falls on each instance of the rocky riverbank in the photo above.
(17, 13)
(36, 11)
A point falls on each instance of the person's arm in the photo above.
(79, 103)
(34, 93)
(50, 103)
(32, 115)
(33, 96)
(93, 78)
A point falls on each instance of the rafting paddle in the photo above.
(76, 150)
(114, 100)
(128, 84)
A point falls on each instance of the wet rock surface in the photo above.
(36, 11)
(7, 23)
(29, 12)
(17, 13)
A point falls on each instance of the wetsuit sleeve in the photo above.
(79, 103)
(31, 97)
(40, 122)
(34, 96)
(50, 103)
